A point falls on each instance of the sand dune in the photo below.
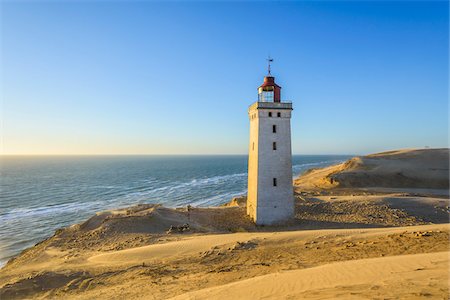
(362, 229)
(192, 245)
(426, 168)
(186, 246)
(405, 276)
(238, 260)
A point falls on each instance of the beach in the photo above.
(371, 227)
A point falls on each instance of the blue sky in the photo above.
(150, 77)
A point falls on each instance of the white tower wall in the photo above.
(268, 204)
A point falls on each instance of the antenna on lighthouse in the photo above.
(269, 60)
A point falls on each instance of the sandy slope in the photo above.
(190, 264)
(404, 276)
(186, 246)
(362, 229)
(194, 245)
(426, 168)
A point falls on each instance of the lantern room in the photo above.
(269, 91)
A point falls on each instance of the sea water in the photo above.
(41, 194)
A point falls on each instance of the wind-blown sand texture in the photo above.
(412, 169)
(345, 242)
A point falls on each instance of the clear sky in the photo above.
(148, 77)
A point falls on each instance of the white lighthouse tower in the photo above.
(270, 198)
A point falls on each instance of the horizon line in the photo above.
(158, 154)
(205, 154)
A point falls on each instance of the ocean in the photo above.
(40, 194)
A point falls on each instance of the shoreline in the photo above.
(40, 213)
(180, 252)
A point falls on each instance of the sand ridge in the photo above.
(423, 168)
(192, 245)
(368, 278)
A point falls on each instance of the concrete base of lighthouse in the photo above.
(276, 213)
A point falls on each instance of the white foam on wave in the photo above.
(218, 199)
(216, 179)
(181, 188)
(176, 188)
(47, 210)
(104, 187)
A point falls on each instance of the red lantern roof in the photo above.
(269, 81)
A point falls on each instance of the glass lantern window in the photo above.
(266, 96)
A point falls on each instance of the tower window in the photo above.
(274, 145)
(253, 146)
(274, 128)
(274, 182)
(270, 114)
(278, 115)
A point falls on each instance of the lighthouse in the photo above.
(270, 197)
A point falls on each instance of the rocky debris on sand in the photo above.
(240, 201)
(422, 233)
(214, 250)
(362, 212)
(178, 229)
(243, 246)
(247, 245)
